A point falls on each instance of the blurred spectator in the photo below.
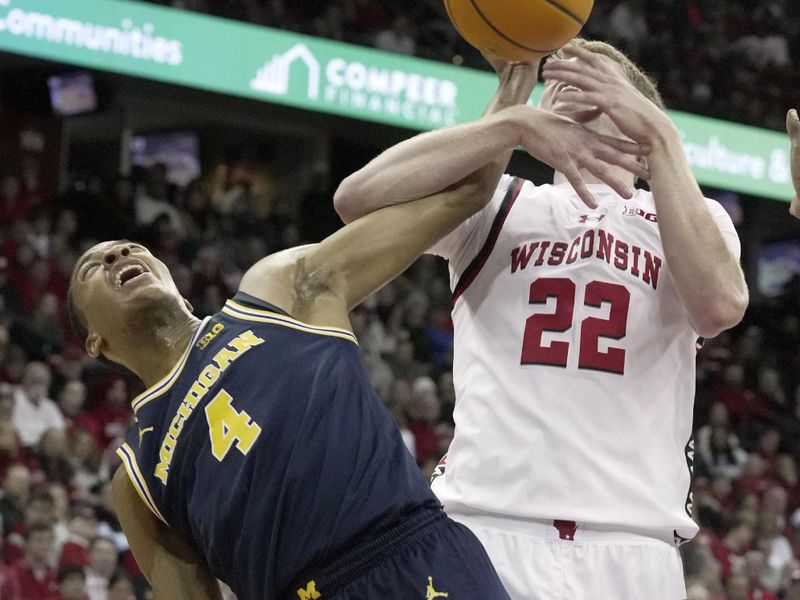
(71, 400)
(33, 574)
(111, 416)
(71, 584)
(755, 569)
(398, 38)
(423, 413)
(15, 495)
(34, 412)
(52, 455)
(718, 447)
(776, 548)
(103, 560)
(120, 587)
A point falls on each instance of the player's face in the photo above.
(114, 281)
(553, 99)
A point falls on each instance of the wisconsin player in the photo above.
(261, 455)
(575, 331)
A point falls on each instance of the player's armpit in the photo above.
(173, 569)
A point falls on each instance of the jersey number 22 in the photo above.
(592, 328)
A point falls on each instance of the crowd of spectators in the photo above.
(730, 59)
(62, 414)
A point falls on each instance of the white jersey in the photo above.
(574, 362)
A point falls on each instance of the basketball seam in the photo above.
(504, 36)
(566, 11)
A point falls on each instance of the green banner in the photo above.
(320, 75)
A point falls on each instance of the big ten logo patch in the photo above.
(633, 211)
(206, 339)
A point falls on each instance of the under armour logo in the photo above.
(591, 218)
(432, 593)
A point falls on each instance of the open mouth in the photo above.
(128, 273)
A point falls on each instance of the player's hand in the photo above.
(603, 88)
(793, 129)
(570, 147)
(508, 70)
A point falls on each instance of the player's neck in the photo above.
(166, 342)
(621, 174)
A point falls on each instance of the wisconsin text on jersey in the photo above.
(591, 245)
(208, 377)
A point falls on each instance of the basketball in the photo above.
(523, 30)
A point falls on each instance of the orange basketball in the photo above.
(523, 30)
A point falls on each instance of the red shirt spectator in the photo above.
(110, 418)
(35, 579)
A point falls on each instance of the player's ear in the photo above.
(188, 305)
(94, 344)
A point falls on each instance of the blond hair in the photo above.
(634, 74)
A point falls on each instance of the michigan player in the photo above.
(575, 330)
(261, 455)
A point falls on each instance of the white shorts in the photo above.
(536, 561)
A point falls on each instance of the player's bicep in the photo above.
(173, 569)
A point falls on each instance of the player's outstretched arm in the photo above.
(793, 129)
(172, 568)
(320, 283)
(706, 273)
(429, 162)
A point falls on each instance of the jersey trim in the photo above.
(471, 272)
(246, 313)
(135, 475)
(160, 388)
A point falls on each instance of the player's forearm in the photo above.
(708, 278)
(424, 165)
(431, 162)
(363, 256)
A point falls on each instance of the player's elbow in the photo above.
(475, 191)
(720, 314)
(346, 200)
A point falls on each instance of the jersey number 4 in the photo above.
(227, 427)
(592, 328)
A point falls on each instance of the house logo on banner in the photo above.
(273, 77)
(360, 86)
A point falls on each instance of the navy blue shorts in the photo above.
(426, 557)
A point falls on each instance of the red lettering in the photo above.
(586, 250)
(522, 255)
(573, 251)
(621, 255)
(635, 266)
(652, 266)
(604, 246)
(557, 255)
(540, 259)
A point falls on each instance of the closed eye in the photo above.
(87, 269)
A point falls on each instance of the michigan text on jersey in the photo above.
(207, 378)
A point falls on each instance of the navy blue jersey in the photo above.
(266, 448)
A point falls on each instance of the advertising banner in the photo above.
(276, 66)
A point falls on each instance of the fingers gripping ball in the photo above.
(523, 30)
